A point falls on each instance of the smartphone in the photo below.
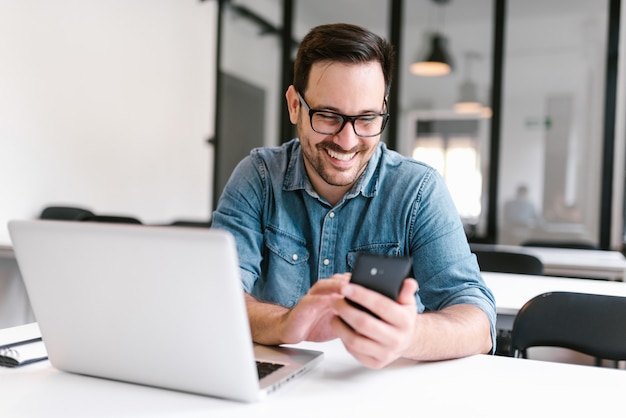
(382, 273)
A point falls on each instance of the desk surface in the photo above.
(481, 385)
(512, 291)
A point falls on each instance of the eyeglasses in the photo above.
(326, 122)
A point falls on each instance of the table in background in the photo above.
(6, 252)
(572, 262)
(512, 291)
(14, 303)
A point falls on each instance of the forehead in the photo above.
(343, 83)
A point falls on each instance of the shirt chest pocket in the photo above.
(285, 270)
(383, 248)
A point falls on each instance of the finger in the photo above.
(363, 323)
(368, 352)
(328, 286)
(367, 298)
(407, 293)
(343, 277)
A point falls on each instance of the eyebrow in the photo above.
(362, 112)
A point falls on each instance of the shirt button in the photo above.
(294, 257)
(326, 261)
(331, 214)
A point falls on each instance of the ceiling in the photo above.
(367, 11)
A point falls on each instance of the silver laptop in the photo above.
(159, 306)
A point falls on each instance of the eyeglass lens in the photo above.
(330, 123)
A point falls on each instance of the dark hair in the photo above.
(345, 43)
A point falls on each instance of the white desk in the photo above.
(512, 291)
(6, 252)
(486, 386)
(594, 264)
(567, 262)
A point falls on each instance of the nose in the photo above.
(346, 137)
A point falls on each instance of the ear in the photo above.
(293, 104)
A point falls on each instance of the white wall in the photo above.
(107, 104)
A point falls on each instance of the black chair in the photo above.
(580, 245)
(590, 324)
(192, 224)
(71, 213)
(508, 262)
(65, 213)
(500, 261)
(112, 219)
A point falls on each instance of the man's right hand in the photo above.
(308, 320)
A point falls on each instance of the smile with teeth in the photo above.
(341, 156)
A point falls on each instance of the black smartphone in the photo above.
(382, 273)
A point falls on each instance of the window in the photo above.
(452, 144)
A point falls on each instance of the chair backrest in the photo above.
(65, 213)
(591, 324)
(581, 245)
(192, 224)
(508, 262)
(112, 219)
(71, 213)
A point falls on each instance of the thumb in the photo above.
(407, 293)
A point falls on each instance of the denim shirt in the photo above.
(288, 237)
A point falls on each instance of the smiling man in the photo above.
(302, 211)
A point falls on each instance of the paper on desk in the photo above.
(21, 345)
(21, 354)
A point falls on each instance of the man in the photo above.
(520, 211)
(300, 212)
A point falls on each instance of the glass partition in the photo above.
(445, 119)
(248, 83)
(552, 121)
(550, 106)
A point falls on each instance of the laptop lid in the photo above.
(159, 306)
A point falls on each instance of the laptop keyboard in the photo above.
(264, 368)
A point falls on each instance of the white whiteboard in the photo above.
(107, 105)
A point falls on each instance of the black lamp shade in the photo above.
(437, 62)
(438, 52)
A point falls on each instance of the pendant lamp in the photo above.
(437, 61)
(468, 101)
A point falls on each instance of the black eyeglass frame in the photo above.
(344, 118)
